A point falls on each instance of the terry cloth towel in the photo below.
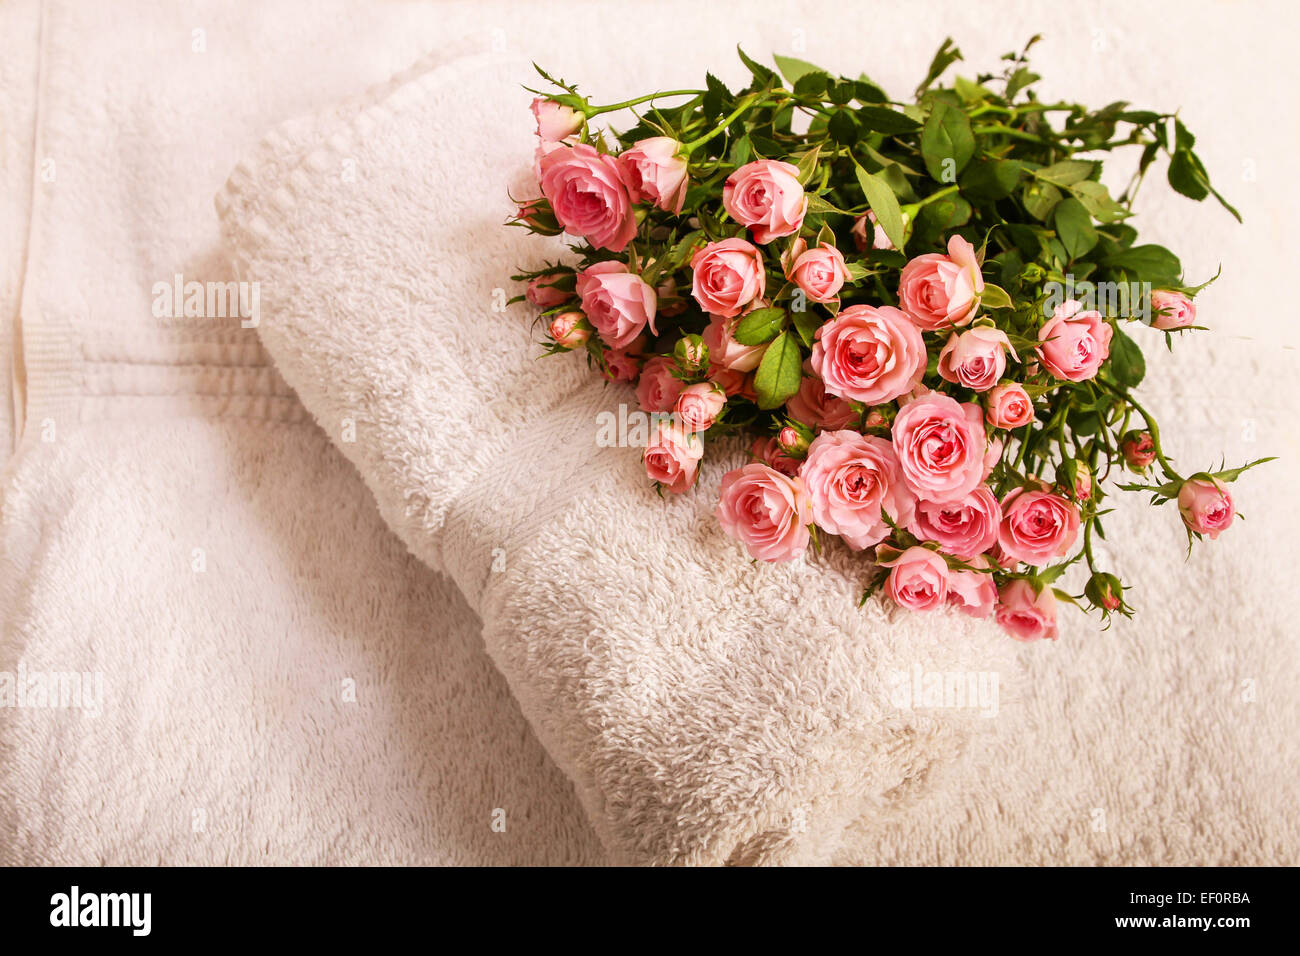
(708, 709)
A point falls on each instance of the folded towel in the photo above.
(708, 709)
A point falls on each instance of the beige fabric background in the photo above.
(1166, 739)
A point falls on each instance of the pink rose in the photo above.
(940, 445)
(1174, 310)
(770, 452)
(658, 387)
(672, 456)
(1075, 342)
(569, 329)
(543, 293)
(939, 291)
(1037, 526)
(621, 366)
(820, 272)
(976, 358)
(1025, 614)
(698, 406)
(725, 351)
(918, 581)
(851, 479)
(812, 406)
(963, 528)
(654, 172)
(587, 194)
(554, 121)
(1009, 406)
(869, 355)
(1206, 506)
(766, 196)
(973, 592)
(727, 276)
(618, 304)
(1139, 450)
(766, 511)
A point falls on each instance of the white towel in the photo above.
(709, 710)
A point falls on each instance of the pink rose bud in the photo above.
(537, 215)
(820, 272)
(698, 406)
(658, 387)
(1037, 526)
(1206, 506)
(875, 419)
(1026, 614)
(853, 481)
(555, 122)
(621, 366)
(937, 291)
(767, 197)
(765, 511)
(869, 355)
(727, 276)
(1008, 406)
(569, 329)
(918, 581)
(1104, 591)
(672, 457)
(1076, 478)
(976, 358)
(1139, 450)
(770, 452)
(1173, 310)
(618, 303)
(587, 194)
(792, 442)
(545, 294)
(691, 353)
(723, 349)
(1074, 342)
(654, 172)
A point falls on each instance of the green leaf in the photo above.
(1096, 199)
(1187, 176)
(946, 137)
(762, 75)
(1149, 263)
(806, 323)
(759, 326)
(806, 163)
(1126, 361)
(943, 58)
(991, 179)
(812, 85)
(1074, 227)
(843, 127)
(884, 204)
(879, 119)
(1019, 80)
(1067, 172)
(792, 69)
(1040, 199)
(995, 297)
(779, 373)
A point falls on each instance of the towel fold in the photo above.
(708, 709)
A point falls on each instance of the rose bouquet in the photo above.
(916, 309)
